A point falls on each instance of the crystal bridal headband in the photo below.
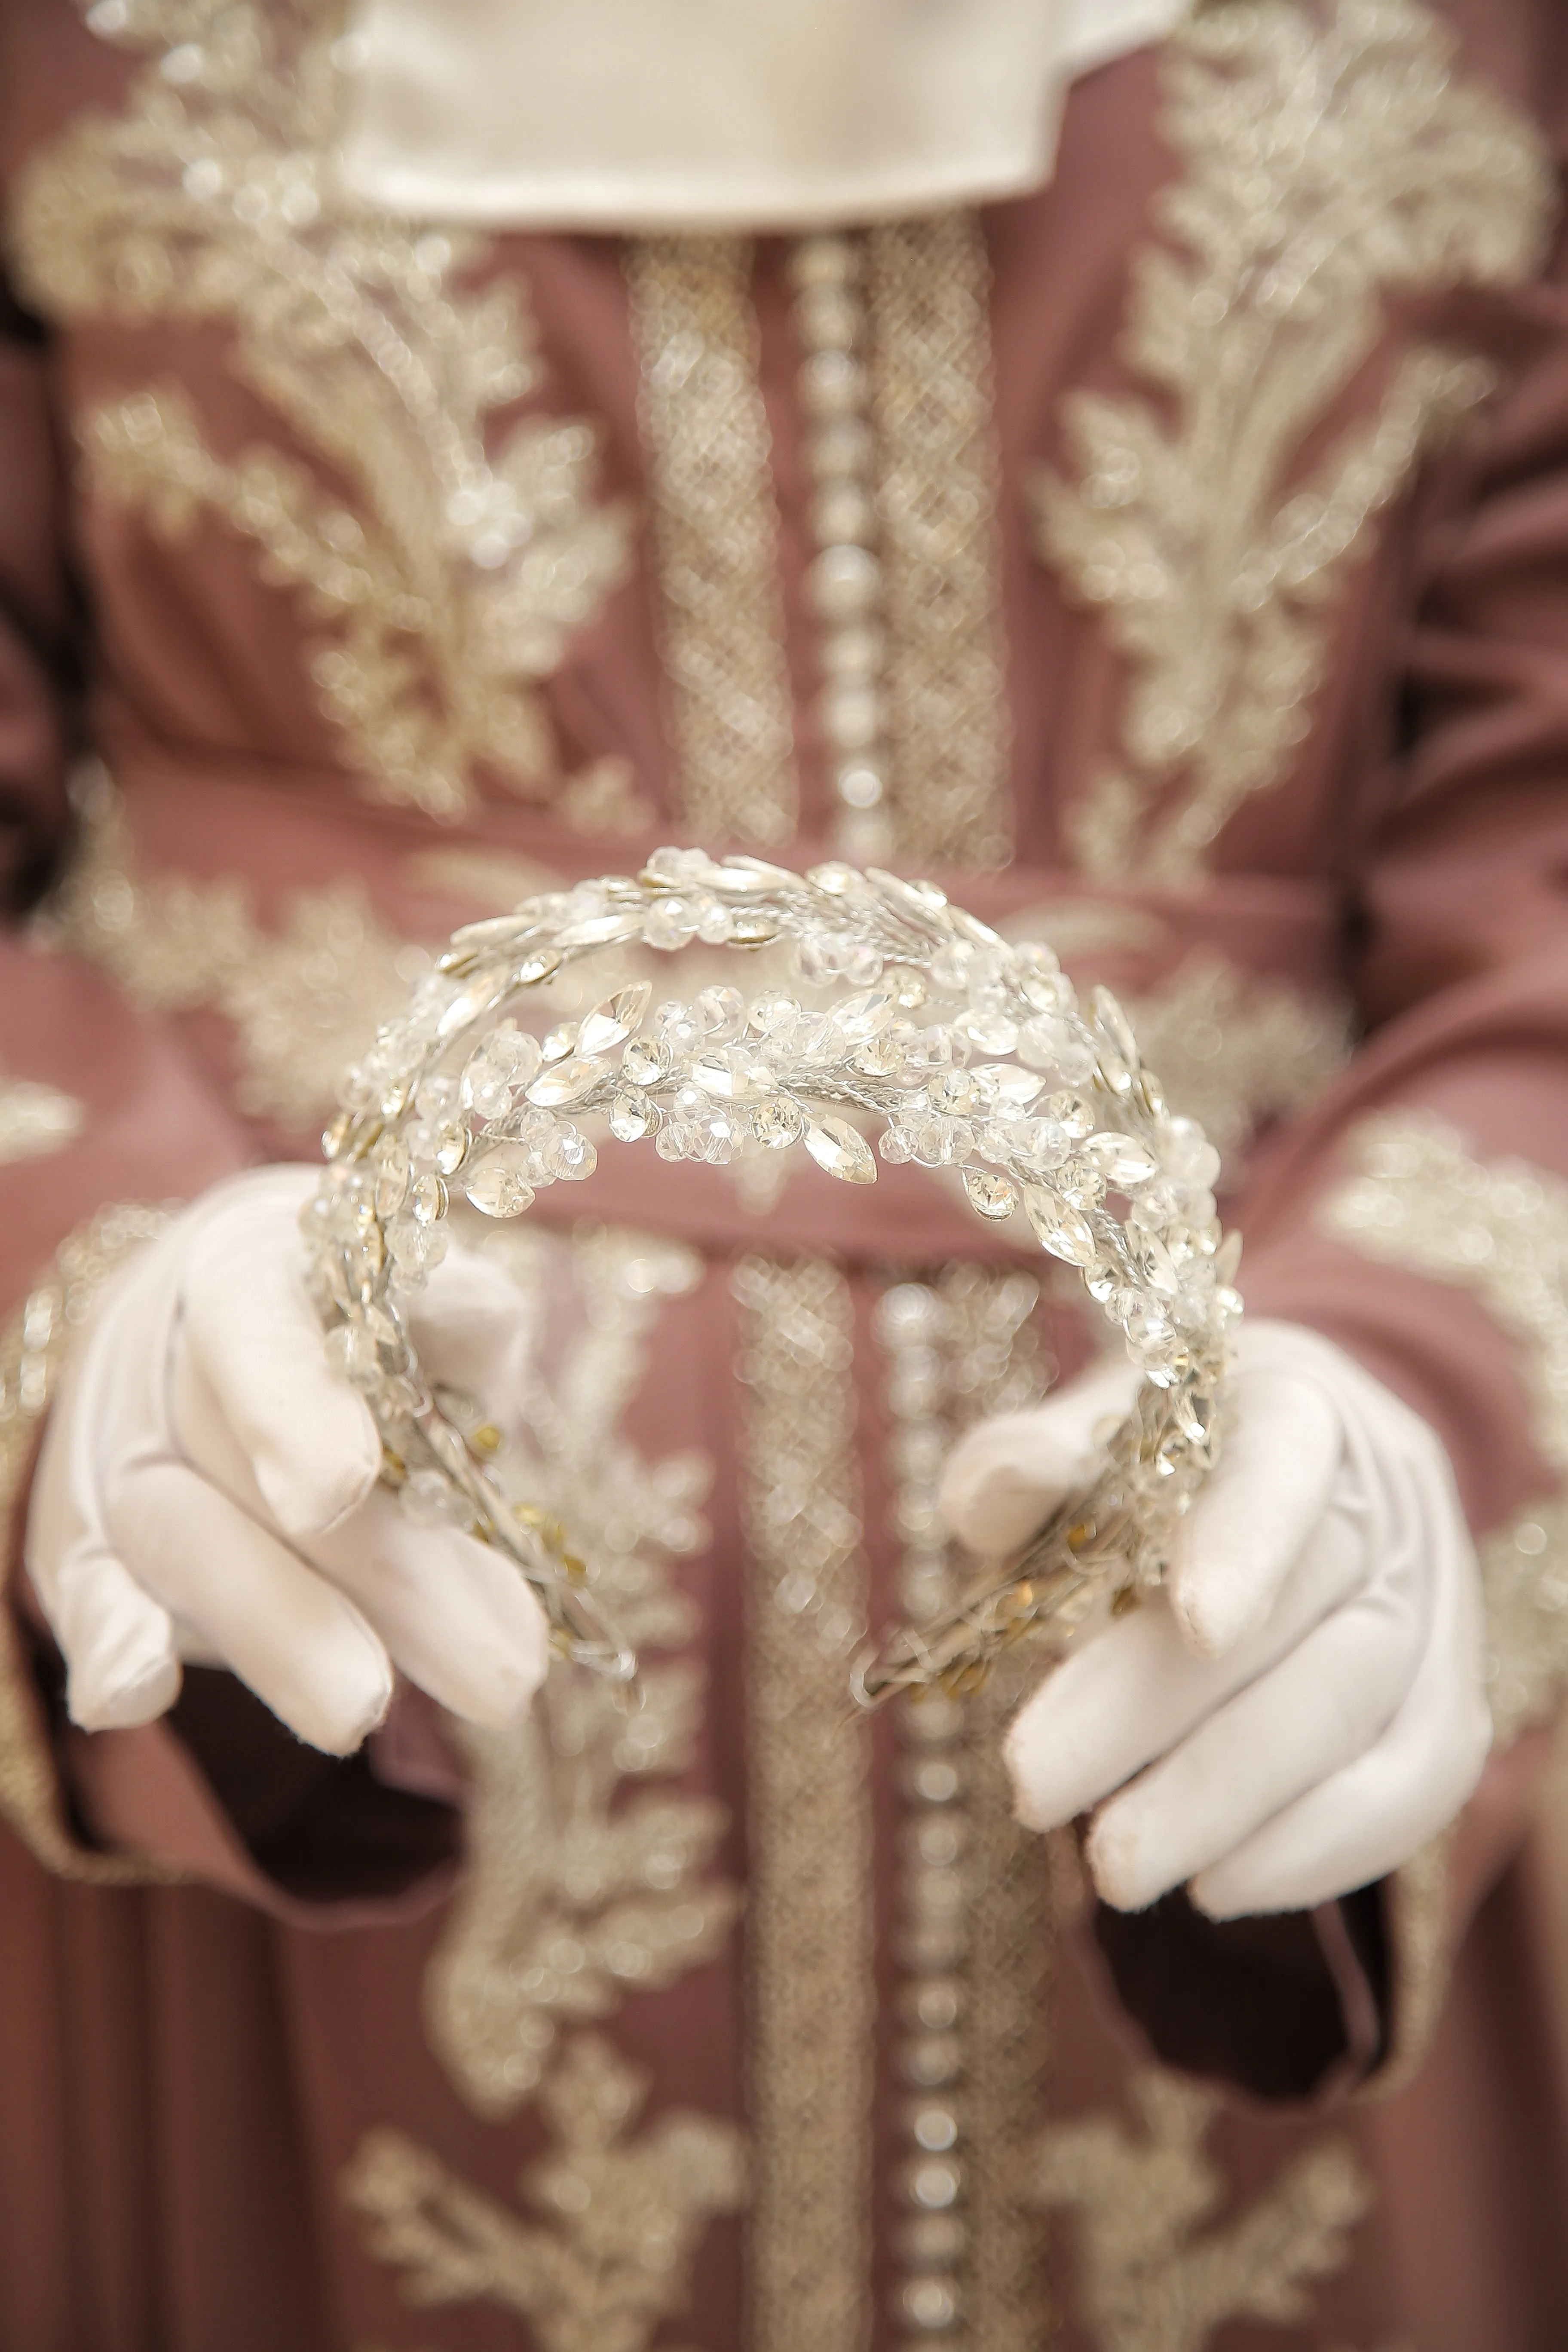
(901, 1021)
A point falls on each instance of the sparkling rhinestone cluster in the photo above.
(908, 1018)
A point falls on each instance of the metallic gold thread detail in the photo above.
(714, 530)
(1421, 1200)
(1330, 159)
(445, 582)
(302, 998)
(1160, 2269)
(928, 285)
(33, 1347)
(574, 1896)
(809, 1923)
(620, 2218)
(975, 1933)
(36, 1120)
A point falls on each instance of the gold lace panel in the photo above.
(1421, 1200)
(714, 538)
(1162, 2264)
(618, 2213)
(442, 568)
(808, 1921)
(1328, 158)
(927, 290)
(584, 1882)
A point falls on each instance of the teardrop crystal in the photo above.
(993, 1196)
(499, 1183)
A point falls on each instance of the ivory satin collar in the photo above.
(759, 114)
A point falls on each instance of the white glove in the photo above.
(207, 1490)
(1301, 1707)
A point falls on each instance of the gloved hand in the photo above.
(207, 1490)
(1301, 1705)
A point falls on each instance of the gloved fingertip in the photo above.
(138, 1694)
(309, 1496)
(1216, 1610)
(1216, 1898)
(1036, 1800)
(338, 1722)
(1126, 1874)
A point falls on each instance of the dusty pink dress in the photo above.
(360, 572)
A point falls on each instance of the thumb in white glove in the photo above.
(207, 1490)
(1302, 1705)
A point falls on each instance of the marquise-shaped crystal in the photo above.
(569, 1081)
(613, 1022)
(1061, 1230)
(474, 998)
(835, 1146)
(600, 930)
(499, 1183)
(731, 1075)
(863, 1016)
(1120, 1160)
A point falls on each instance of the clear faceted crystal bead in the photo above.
(632, 1116)
(560, 1041)
(670, 924)
(499, 1183)
(723, 1014)
(836, 1146)
(487, 1088)
(645, 1061)
(428, 1200)
(773, 1011)
(777, 1123)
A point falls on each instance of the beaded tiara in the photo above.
(905, 1029)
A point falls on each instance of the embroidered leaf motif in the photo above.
(444, 577)
(578, 1891)
(620, 2217)
(1330, 159)
(1158, 2269)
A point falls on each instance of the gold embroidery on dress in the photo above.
(1500, 1229)
(928, 285)
(444, 584)
(33, 1346)
(573, 1896)
(1160, 2267)
(809, 1923)
(620, 2217)
(1329, 159)
(715, 538)
(302, 999)
(36, 1120)
(973, 1938)
(1237, 1049)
